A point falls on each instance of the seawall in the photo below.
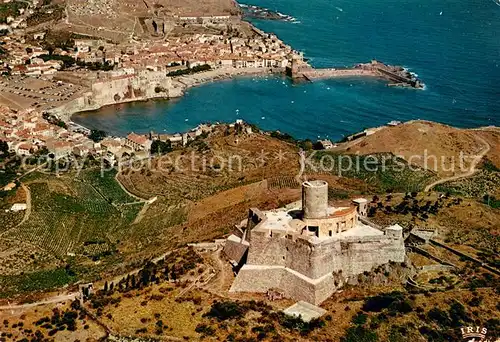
(144, 86)
(395, 74)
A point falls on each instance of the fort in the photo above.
(309, 250)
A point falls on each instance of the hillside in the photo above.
(131, 17)
(148, 284)
(430, 145)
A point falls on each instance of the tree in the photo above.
(166, 272)
(161, 147)
(4, 147)
(97, 135)
(318, 145)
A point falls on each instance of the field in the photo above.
(61, 221)
(72, 220)
(11, 219)
(34, 281)
(106, 185)
(384, 172)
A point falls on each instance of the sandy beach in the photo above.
(193, 80)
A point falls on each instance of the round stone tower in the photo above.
(315, 199)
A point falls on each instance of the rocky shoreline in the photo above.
(257, 12)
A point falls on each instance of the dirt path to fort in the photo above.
(472, 170)
(27, 212)
(52, 300)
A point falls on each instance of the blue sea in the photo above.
(453, 46)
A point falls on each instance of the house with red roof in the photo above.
(138, 142)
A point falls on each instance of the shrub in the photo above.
(359, 334)
(226, 310)
(439, 316)
(382, 301)
(296, 323)
(360, 319)
(204, 329)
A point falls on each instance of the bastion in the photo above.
(309, 250)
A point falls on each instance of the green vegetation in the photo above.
(68, 61)
(395, 302)
(97, 135)
(189, 71)
(161, 147)
(283, 136)
(385, 172)
(360, 334)
(482, 183)
(298, 324)
(395, 317)
(36, 281)
(95, 66)
(73, 219)
(171, 268)
(46, 13)
(9, 171)
(492, 201)
(60, 222)
(489, 166)
(338, 194)
(105, 184)
(53, 119)
(60, 39)
(226, 310)
(11, 9)
(418, 207)
(67, 213)
(236, 311)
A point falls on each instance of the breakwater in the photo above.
(396, 75)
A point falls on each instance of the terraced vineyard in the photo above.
(67, 213)
(161, 216)
(283, 183)
(106, 185)
(382, 170)
(480, 184)
(191, 187)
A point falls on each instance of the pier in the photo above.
(396, 75)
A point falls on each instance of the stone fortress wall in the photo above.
(313, 265)
(143, 85)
